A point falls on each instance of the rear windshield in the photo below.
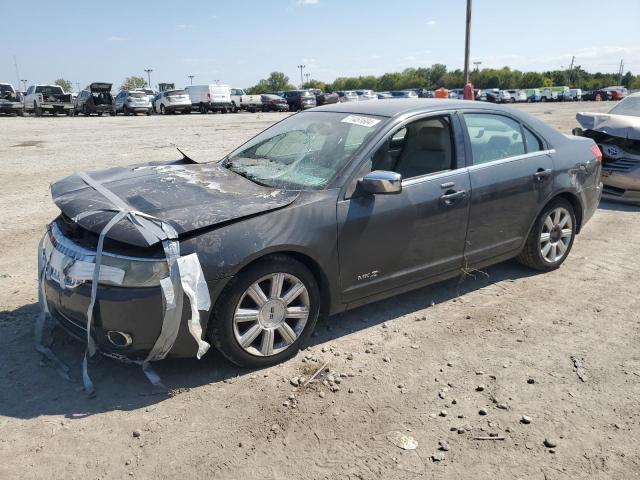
(176, 92)
(306, 94)
(138, 94)
(49, 90)
(6, 89)
(628, 106)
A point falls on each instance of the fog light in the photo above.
(119, 339)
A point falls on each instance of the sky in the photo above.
(239, 42)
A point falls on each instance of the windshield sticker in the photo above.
(362, 121)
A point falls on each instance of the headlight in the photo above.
(138, 273)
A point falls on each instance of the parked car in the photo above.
(210, 98)
(480, 95)
(151, 94)
(172, 101)
(366, 95)
(404, 94)
(517, 95)
(300, 99)
(274, 103)
(384, 95)
(96, 99)
(617, 133)
(533, 95)
(260, 231)
(241, 101)
(347, 96)
(495, 95)
(131, 102)
(456, 94)
(548, 95)
(325, 98)
(47, 98)
(10, 100)
(617, 93)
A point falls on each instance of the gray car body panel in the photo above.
(361, 247)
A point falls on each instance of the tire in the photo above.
(163, 111)
(37, 111)
(234, 108)
(125, 110)
(21, 112)
(559, 238)
(225, 333)
(69, 113)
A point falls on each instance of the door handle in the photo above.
(542, 174)
(452, 196)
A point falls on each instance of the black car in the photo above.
(591, 95)
(274, 103)
(95, 99)
(300, 99)
(324, 211)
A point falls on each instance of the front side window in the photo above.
(493, 137)
(304, 151)
(419, 148)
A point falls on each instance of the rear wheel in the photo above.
(162, 110)
(551, 237)
(125, 110)
(203, 108)
(265, 313)
(234, 108)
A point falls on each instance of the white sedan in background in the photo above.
(172, 101)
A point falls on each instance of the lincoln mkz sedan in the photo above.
(329, 209)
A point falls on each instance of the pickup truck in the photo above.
(10, 100)
(48, 98)
(241, 101)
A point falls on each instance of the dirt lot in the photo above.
(412, 364)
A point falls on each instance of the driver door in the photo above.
(391, 241)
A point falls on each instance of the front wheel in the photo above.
(265, 313)
(162, 110)
(551, 237)
(125, 110)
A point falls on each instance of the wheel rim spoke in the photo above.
(257, 295)
(553, 252)
(276, 285)
(545, 237)
(250, 335)
(561, 248)
(564, 220)
(246, 315)
(548, 223)
(545, 250)
(266, 346)
(293, 293)
(287, 333)
(566, 233)
(297, 312)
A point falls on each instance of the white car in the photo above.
(10, 100)
(151, 94)
(47, 98)
(366, 95)
(517, 96)
(208, 98)
(241, 101)
(172, 101)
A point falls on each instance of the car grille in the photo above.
(621, 165)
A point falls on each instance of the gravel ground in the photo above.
(480, 371)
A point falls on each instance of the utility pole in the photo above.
(15, 62)
(621, 71)
(148, 70)
(191, 78)
(307, 75)
(78, 87)
(467, 45)
(477, 64)
(573, 59)
(301, 67)
(24, 85)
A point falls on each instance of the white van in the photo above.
(207, 98)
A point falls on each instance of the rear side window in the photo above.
(493, 137)
(533, 142)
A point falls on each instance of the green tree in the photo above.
(65, 84)
(276, 82)
(133, 82)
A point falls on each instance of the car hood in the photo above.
(188, 196)
(623, 126)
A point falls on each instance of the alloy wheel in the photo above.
(271, 314)
(556, 235)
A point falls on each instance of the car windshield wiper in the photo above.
(247, 175)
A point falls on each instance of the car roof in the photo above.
(393, 107)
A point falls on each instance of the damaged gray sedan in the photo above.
(332, 208)
(618, 135)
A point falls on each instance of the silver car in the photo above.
(132, 102)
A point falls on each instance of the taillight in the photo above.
(597, 152)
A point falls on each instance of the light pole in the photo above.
(24, 85)
(477, 64)
(301, 67)
(191, 78)
(148, 70)
(307, 75)
(467, 45)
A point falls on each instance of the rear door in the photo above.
(511, 179)
(391, 241)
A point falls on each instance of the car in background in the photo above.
(325, 98)
(456, 94)
(300, 99)
(495, 95)
(517, 95)
(347, 96)
(403, 94)
(10, 100)
(172, 101)
(47, 98)
(241, 101)
(384, 95)
(210, 98)
(273, 103)
(617, 93)
(151, 94)
(327, 210)
(131, 102)
(533, 95)
(95, 99)
(617, 133)
(366, 95)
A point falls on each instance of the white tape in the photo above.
(195, 287)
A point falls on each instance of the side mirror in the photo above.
(381, 182)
